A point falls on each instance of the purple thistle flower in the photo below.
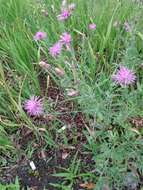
(40, 35)
(55, 50)
(92, 26)
(34, 106)
(124, 76)
(66, 39)
(65, 14)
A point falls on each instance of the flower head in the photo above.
(55, 50)
(66, 39)
(65, 14)
(34, 106)
(40, 35)
(124, 76)
(92, 26)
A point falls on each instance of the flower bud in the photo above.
(59, 72)
(72, 93)
(44, 65)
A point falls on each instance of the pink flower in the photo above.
(92, 26)
(55, 50)
(127, 27)
(65, 14)
(40, 35)
(66, 39)
(124, 76)
(34, 106)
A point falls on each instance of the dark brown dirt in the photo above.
(42, 177)
(45, 168)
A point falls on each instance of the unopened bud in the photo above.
(44, 65)
(59, 72)
(72, 93)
